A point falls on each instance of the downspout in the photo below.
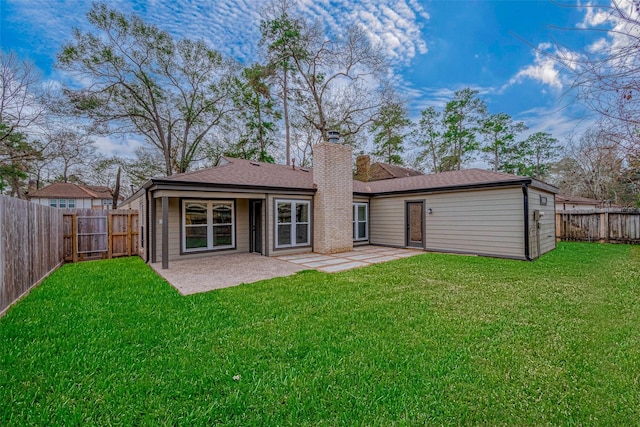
(525, 194)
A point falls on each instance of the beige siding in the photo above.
(241, 230)
(386, 221)
(488, 222)
(547, 229)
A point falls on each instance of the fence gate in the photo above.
(99, 234)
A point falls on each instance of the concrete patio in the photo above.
(360, 256)
(206, 274)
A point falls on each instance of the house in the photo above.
(68, 195)
(572, 203)
(246, 206)
(366, 172)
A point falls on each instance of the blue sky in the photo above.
(436, 47)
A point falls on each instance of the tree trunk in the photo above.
(116, 191)
(285, 112)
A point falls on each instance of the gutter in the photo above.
(525, 194)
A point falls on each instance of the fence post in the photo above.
(607, 235)
(74, 237)
(129, 234)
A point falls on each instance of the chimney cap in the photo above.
(333, 136)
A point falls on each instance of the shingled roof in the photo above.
(232, 172)
(448, 180)
(66, 190)
(380, 171)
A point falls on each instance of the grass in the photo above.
(432, 339)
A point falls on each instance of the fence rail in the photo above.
(30, 246)
(614, 225)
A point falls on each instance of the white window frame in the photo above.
(356, 221)
(210, 226)
(62, 202)
(69, 203)
(53, 203)
(293, 224)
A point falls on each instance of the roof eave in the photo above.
(158, 183)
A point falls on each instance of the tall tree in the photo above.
(499, 132)
(16, 154)
(257, 110)
(280, 34)
(69, 152)
(606, 79)
(533, 156)
(143, 81)
(593, 166)
(22, 96)
(389, 130)
(427, 136)
(339, 80)
(461, 119)
(22, 109)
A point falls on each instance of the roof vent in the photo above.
(333, 136)
(255, 163)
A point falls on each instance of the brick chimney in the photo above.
(363, 168)
(333, 201)
(33, 187)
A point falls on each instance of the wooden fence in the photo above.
(100, 234)
(30, 246)
(36, 239)
(613, 225)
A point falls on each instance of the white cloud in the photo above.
(232, 26)
(561, 122)
(547, 66)
(110, 146)
(599, 46)
(594, 16)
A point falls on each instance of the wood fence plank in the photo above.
(30, 247)
(616, 225)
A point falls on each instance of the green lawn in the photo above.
(432, 339)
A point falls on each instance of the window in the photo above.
(292, 228)
(62, 203)
(71, 203)
(107, 202)
(53, 203)
(207, 225)
(360, 223)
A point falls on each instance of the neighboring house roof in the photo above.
(576, 199)
(381, 171)
(62, 190)
(231, 172)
